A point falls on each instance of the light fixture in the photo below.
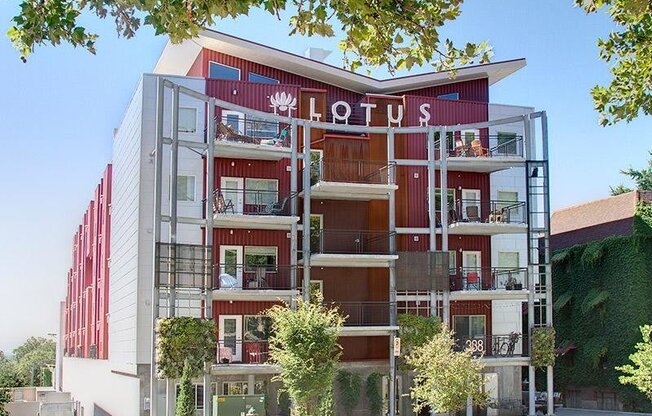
(234, 92)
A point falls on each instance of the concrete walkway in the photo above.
(586, 412)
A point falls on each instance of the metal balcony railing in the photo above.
(251, 202)
(233, 350)
(350, 242)
(352, 171)
(505, 345)
(493, 211)
(489, 278)
(247, 130)
(365, 313)
(253, 277)
(484, 146)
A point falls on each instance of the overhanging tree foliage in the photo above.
(639, 373)
(304, 345)
(641, 177)
(445, 378)
(395, 34)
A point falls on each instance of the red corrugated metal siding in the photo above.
(236, 237)
(473, 90)
(405, 242)
(249, 94)
(225, 307)
(260, 169)
(342, 284)
(480, 307)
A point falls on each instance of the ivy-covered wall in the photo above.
(603, 293)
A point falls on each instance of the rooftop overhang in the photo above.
(177, 59)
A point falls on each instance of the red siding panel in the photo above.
(260, 169)
(474, 90)
(237, 237)
(225, 307)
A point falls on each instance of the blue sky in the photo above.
(59, 110)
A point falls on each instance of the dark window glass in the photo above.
(218, 71)
(253, 77)
(449, 96)
(507, 144)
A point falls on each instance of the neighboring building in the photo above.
(41, 401)
(371, 201)
(602, 269)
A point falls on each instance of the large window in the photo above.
(219, 71)
(449, 96)
(261, 191)
(257, 257)
(233, 119)
(451, 199)
(253, 77)
(469, 135)
(198, 391)
(185, 188)
(469, 326)
(507, 144)
(187, 120)
(257, 328)
(261, 129)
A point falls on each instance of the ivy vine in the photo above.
(374, 393)
(349, 386)
(184, 340)
(543, 347)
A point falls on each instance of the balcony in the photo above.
(359, 180)
(366, 318)
(252, 209)
(475, 217)
(497, 349)
(343, 248)
(246, 282)
(477, 283)
(245, 138)
(237, 356)
(471, 155)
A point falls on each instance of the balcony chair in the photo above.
(472, 281)
(228, 133)
(477, 149)
(275, 208)
(221, 206)
(473, 213)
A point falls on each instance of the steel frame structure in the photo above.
(539, 262)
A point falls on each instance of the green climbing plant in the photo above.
(349, 386)
(185, 398)
(184, 341)
(543, 347)
(374, 393)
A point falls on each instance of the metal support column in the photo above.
(443, 180)
(432, 214)
(174, 169)
(294, 208)
(158, 187)
(531, 273)
(208, 241)
(306, 212)
(392, 273)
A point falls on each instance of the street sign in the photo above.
(397, 347)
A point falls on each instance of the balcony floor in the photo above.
(515, 361)
(351, 191)
(257, 222)
(484, 164)
(351, 260)
(367, 331)
(486, 228)
(498, 294)
(270, 295)
(236, 150)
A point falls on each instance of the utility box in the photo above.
(239, 405)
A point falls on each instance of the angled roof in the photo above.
(177, 59)
(589, 214)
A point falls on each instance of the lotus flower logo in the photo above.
(281, 101)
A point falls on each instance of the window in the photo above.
(469, 135)
(241, 388)
(316, 225)
(316, 286)
(449, 140)
(452, 262)
(198, 390)
(316, 157)
(451, 199)
(508, 259)
(261, 191)
(185, 188)
(253, 77)
(507, 144)
(219, 71)
(257, 328)
(259, 256)
(469, 326)
(187, 120)
(261, 128)
(233, 119)
(449, 96)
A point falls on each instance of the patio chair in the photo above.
(472, 281)
(476, 147)
(460, 150)
(275, 208)
(473, 213)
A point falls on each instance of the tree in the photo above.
(304, 345)
(445, 378)
(32, 357)
(629, 51)
(395, 34)
(9, 374)
(4, 399)
(186, 398)
(640, 373)
(641, 177)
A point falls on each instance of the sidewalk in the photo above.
(562, 411)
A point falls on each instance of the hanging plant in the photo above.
(543, 347)
(374, 394)
(184, 339)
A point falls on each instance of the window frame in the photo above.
(241, 119)
(225, 66)
(194, 188)
(261, 203)
(276, 81)
(268, 269)
(469, 316)
(196, 119)
(244, 329)
(507, 134)
(449, 95)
